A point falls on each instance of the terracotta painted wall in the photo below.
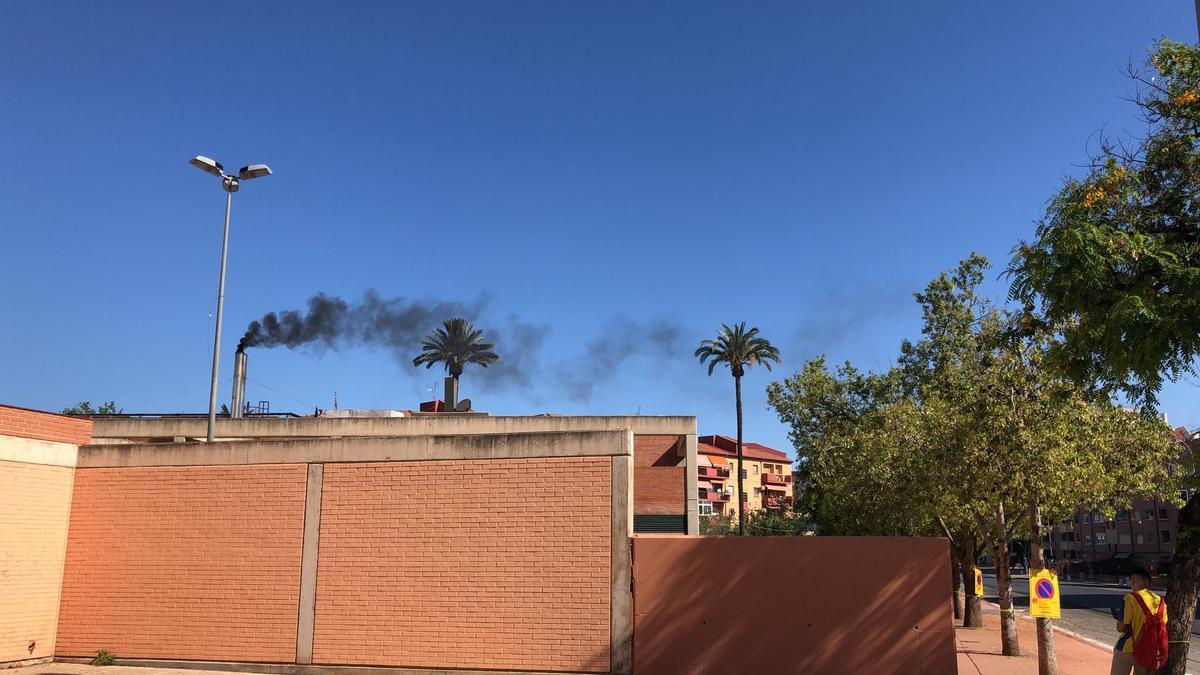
(658, 476)
(34, 508)
(792, 605)
(184, 563)
(466, 564)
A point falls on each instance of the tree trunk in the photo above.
(1010, 645)
(1047, 661)
(1182, 586)
(743, 498)
(956, 580)
(972, 616)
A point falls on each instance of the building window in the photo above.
(744, 473)
(755, 466)
(1088, 540)
(1101, 538)
(1162, 513)
(706, 509)
(1141, 538)
(1166, 535)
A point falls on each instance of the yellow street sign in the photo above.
(978, 582)
(1043, 595)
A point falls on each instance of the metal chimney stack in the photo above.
(238, 403)
(451, 394)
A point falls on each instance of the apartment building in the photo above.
(766, 474)
(1143, 535)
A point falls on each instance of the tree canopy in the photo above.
(455, 345)
(84, 408)
(1115, 264)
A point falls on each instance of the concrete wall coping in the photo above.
(418, 425)
(35, 451)
(362, 449)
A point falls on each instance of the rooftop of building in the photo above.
(725, 446)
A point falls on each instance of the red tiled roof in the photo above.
(725, 446)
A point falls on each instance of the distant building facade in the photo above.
(1143, 535)
(766, 473)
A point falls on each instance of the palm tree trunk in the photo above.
(743, 498)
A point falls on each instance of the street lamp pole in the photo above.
(230, 184)
(212, 390)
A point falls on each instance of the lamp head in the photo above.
(254, 171)
(207, 165)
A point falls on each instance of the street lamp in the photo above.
(230, 185)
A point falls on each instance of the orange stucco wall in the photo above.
(34, 503)
(792, 605)
(500, 564)
(184, 563)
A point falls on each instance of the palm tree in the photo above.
(738, 349)
(456, 344)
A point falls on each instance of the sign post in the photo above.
(1043, 595)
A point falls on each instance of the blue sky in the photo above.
(581, 169)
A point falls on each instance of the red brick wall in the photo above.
(34, 503)
(658, 484)
(44, 426)
(500, 564)
(184, 563)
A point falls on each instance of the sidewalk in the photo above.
(979, 650)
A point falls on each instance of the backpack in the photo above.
(1150, 647)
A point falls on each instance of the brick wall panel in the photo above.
(498, 564)
(34, 509)
(658, 476)
(658, 490)
(24, 423)
(184, 563)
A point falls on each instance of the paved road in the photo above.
(1085, 609)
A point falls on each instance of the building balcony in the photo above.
(712, 473)
(713, 495)
(776, 479)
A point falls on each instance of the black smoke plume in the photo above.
(398, 325)
(621, 339)
(395, 323)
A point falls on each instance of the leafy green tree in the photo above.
(974, 432)
(456, 345)
(759, 523)
(1115, 267)
(738, 349)
(84, 409)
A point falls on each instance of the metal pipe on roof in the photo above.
(237, 403)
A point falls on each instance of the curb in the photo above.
(1059, 629)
